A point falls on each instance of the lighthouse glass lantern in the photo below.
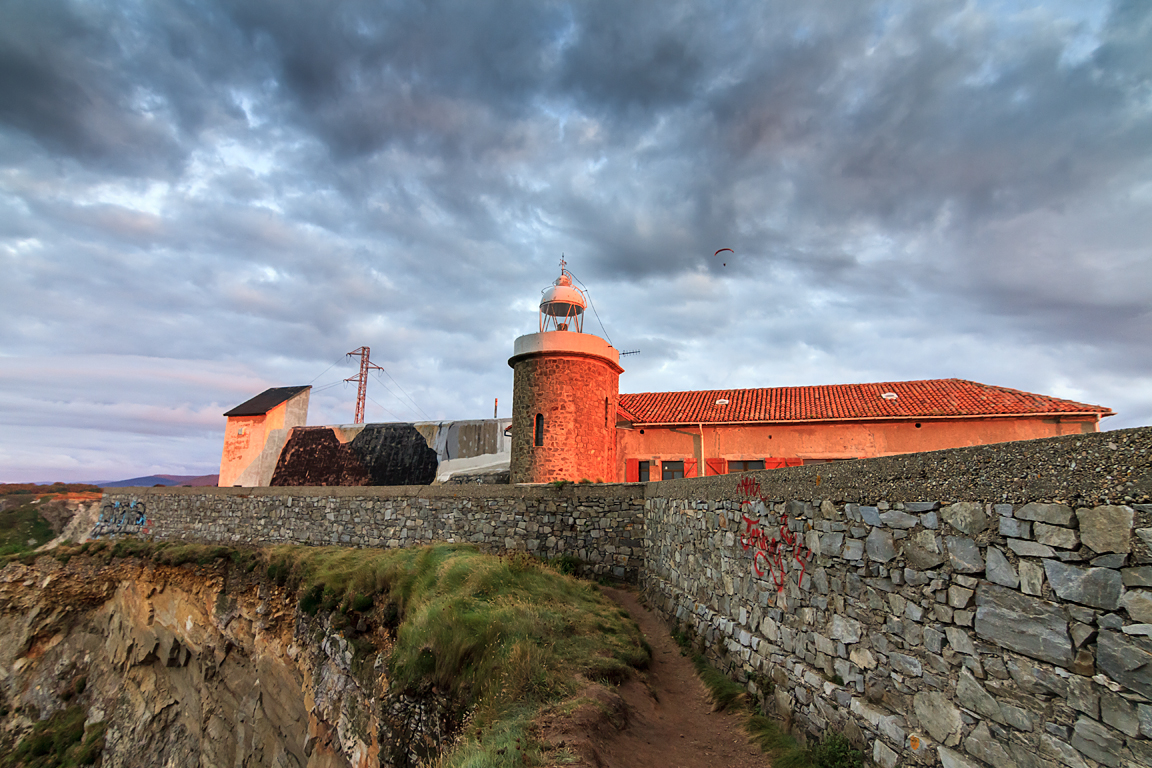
(562, 307)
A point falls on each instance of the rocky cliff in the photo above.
(201, 665)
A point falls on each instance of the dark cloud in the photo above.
(250, 189)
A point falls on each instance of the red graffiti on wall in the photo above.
(772, 553)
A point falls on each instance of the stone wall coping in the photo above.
(1085, 470)
(545, 492)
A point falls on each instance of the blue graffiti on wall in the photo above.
(118, 519)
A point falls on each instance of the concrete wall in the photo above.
(402, 453)
(834, 440)
(986, 606)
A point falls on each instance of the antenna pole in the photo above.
(362, 380)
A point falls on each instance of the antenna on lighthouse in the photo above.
(361, 379)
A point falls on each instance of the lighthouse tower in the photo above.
(564, 394)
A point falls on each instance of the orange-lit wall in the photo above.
(244, 438)
(576, 395)
(832, 440)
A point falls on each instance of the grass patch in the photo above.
(22, 527)
(832, 751)
(504, 635)
(61, 741)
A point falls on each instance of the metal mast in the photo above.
(362, 379)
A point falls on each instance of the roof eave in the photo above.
(924, 417)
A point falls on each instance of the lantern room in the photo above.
(562, 306)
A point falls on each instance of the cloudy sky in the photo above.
(199, 200)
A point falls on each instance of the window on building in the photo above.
(671, 470)
(740, 465)
(539, 429)
(605, 411)
(645, 471)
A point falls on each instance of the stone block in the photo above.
(1053, 514)
(964, 554)
(971, 695)
(983, 745)
(938, 716)
(1059, 753)
(831, 544)
(863, 658)
(1119, 713)
(1109, 561)
(905, 665)
(1137, 577)
(880, 546)
(968, 517)
(1035, 628)
(1031, 577)
(1106, 528)
(999, 570)
(1055, 536)
(915, 578)
(959, 597)
(922, 550)
(1126, 659)
(898, 519)
(1030, 548)
(1084, 696)
(1097, 587)
(1018, 718)
(871, 516)
(1097, 742)
(883, 755)
(845, 630)
(950, 759)
(1138, 603)
(1019, 529)
(930, 520)
(853, 550)
(959, 640)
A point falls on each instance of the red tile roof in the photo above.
(941, 398)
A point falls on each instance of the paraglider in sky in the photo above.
(724, 249)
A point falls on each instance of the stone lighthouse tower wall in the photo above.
(576, 397)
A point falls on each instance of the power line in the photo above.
(385, 385)
(592, 304)
(426, 416)
(328, 368)
(389, 391)
(385, 409)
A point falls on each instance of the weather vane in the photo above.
(562, 262)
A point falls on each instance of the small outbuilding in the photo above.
(256, 432)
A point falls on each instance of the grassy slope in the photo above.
(506, 635)
(21, 526)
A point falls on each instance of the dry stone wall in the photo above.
(962, 632)
(987, 606)
(601, 526)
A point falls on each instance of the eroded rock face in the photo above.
(202, 666)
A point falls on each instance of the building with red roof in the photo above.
(566, 390)
(566, 380)
(661, 435)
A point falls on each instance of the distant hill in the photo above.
(151, 480)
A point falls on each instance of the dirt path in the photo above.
(670, 719)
